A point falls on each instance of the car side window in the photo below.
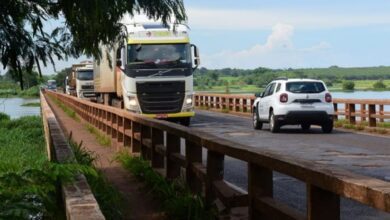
(278, 88)
(266, 91)
(271, 89)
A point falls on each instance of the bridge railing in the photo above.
(160, 142)
(367, 110)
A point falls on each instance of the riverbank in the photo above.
(27, 179)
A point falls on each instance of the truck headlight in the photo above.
(189, 100)
(133, 101)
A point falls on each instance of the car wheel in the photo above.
(256, 123)
(273, 123)
(327, 127)
(305, 127)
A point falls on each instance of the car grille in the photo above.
(161, 97)
(87, 87)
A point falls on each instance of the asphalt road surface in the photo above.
(364, 154)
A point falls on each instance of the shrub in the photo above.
(4, 117)
(348, 85)
(379, 85)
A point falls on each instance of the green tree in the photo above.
(24, 42)
(60, 77)
(379, 85)
(348, 85)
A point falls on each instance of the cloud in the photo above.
(249, 19)
(277, 52)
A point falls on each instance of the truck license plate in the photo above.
(161, 116)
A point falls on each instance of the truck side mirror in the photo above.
(196, 59)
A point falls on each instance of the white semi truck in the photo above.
(80, 81)
(150, 73)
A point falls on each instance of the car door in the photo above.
(268, 101)
(264, 102)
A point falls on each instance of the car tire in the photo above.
(257, 125)
(327, 127)
(273, 123)
(305, 127)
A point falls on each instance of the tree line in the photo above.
(260, 77)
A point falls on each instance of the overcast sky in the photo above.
(283, 34)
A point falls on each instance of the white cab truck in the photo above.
(150, 73)
(80, 81)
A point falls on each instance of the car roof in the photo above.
(297, 80)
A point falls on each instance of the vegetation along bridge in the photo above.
(256, 174)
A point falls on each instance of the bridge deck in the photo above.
(364, 154)
(360, 153)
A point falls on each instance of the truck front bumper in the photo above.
(171, 115)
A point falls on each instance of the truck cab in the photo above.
(154, 71)
(84, 82)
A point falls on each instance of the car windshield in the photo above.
(154, 55)
(305, 87)
(85, 75)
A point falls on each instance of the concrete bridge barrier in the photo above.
(160, 142)
(80, 203)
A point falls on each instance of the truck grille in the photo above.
(87, 87)
(161, 97)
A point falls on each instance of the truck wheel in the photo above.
(327, 127)
(256, 123)
(273, 123)
(185, 121)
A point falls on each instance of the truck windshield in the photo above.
(157, 55)
(85, 75)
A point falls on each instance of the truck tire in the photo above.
(185, 121)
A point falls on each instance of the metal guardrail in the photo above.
(78, 198)
(160, 142)
(371, 110)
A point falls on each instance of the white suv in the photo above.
(294, 101)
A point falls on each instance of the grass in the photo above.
(32, 104)
(32, 92)
(365, 85)
(107, 196)
(68, 111)
(100, 137)
(28, 181)
(363, 126)
(176, 199)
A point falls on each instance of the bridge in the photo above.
(256, 174)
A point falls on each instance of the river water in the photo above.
(13, 107)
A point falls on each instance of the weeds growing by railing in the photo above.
(100, 137)
(65, 108)
(176, 199)
(106, 195)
